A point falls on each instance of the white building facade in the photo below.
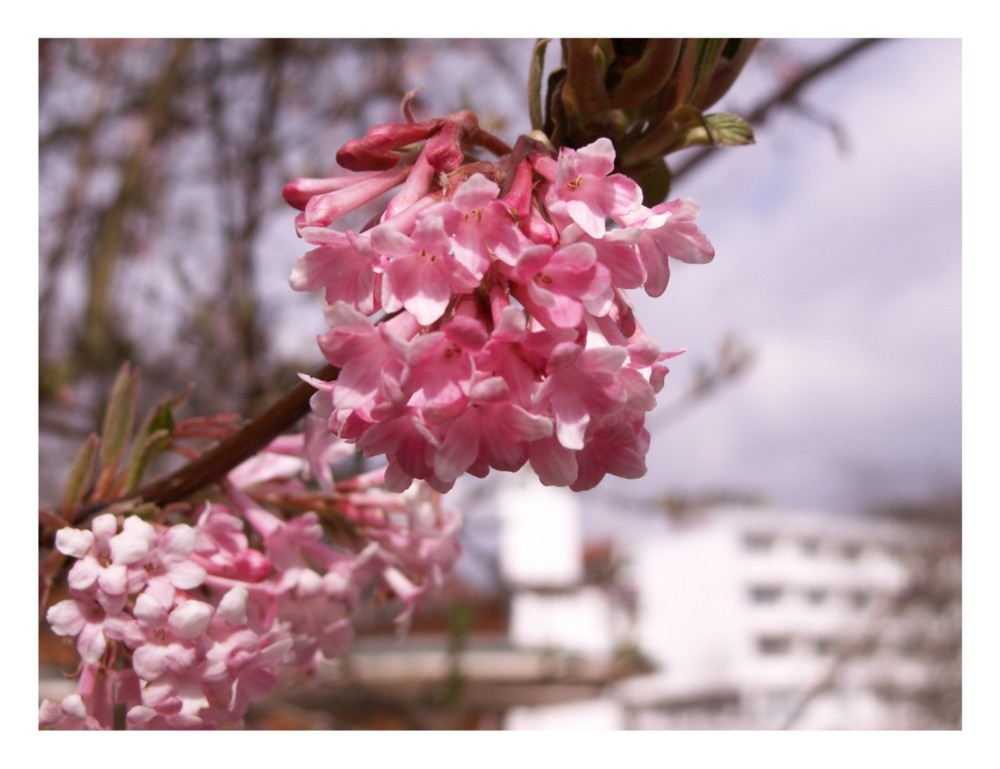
(755, 618)
(782, 619)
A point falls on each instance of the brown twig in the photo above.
(214, 464)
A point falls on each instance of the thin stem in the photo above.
(494, 144)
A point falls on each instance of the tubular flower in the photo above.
(203, 620)
(509, 338)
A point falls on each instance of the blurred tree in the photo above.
(161, 165)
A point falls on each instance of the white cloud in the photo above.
(844, 273)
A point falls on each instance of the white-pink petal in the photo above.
(65, 618)
(178, 543)
(186, 575)
(73, 706)
(113, 580)
(596, 159)
(529, 426)
(391, 242)
(233, 606)
(190, 619)
(571, 423)
(149, 662)
(91, 643)
(477, 191)
(126, 548)
(105, 526)
(74, 542)
(490, 390)
(581, 213)
(149, 611)
(84, 574)
(140, 529)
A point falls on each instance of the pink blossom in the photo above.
(89, 708)
(239, 658)
(440, 365)
(343, 266)
(299, 192)
(562, 283)
(164, 635)
(444, 149)
(169, 565)
(668, 230)
(412, 559)
(69, 715)
(615, 251)
(415, 190)
(582, 190)
(104, 557)
(492, 431)
(222, 548)
(422, 272)
(370, 359)
(176, 700)
(206, 641)
(582, 384)
(324, 208)
(481, 226)
(408, 445)
(308, 455)
(375, 150)
(89, 621)
(251, 668)
(518, 343)
(617, 445)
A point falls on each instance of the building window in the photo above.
(824, 646)
(851, 551)
(858, 599)
(780, 703)
(894, 551)
(911, 646)
(810, 547)
(774, 645)
(816, 596)
(765, 594)
(758, 543)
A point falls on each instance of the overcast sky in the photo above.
(841, 270)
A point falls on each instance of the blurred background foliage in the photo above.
(163, 236)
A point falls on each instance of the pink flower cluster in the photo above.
(504, 335)
(186, 625)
